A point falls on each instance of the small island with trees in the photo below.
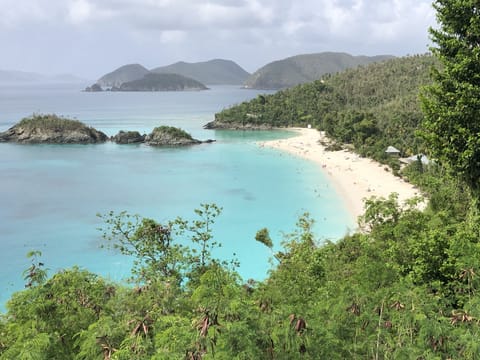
(161, 82)
(53, 129)
(155, 82)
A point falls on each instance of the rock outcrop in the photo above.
(128, 137)
(170, 136)
(52, 129)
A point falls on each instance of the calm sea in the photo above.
(50, 194)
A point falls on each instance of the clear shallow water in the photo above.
(50, 194)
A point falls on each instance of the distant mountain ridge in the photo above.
(15, 76)
(212, 72)
(304, 68)
(276, 75)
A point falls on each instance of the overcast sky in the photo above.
(91, 37)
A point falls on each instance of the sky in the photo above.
(89, 38)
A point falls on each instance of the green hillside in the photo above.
(122, 74)
(305, 68)
(213, 72)
(161, 82)
(372, 106)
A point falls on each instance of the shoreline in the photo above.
(354, 178)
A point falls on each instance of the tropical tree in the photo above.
(156, 254)
(452, 103)
(45, 319)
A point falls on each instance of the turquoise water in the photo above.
(50, 194)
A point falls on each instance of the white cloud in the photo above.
(255, 31)
(172, 36)
(79, 11)
(14, 12)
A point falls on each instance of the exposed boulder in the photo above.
(52, 129)
(128, 137)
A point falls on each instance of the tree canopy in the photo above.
(407, 288)
(452, 103)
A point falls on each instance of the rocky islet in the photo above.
(52, 129)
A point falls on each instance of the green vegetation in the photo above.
(161, 82)
(50, 122)
(172, 131)
(452, 103)
(408, 288)
(405, 287)
(305, 68)
(372, 107)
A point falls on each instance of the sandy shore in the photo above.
(354, 178)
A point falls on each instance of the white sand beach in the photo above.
(355, 178)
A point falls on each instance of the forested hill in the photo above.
(161, 82)
(372, 106)
(123, 74)
(213, 72)
(304, 68)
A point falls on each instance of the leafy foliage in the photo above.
(407, 288)
(150, 243)
(172, 131)
(263, 237)
(35, 274)
(452, 102)
(50, 122)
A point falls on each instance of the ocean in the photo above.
(50, 195)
